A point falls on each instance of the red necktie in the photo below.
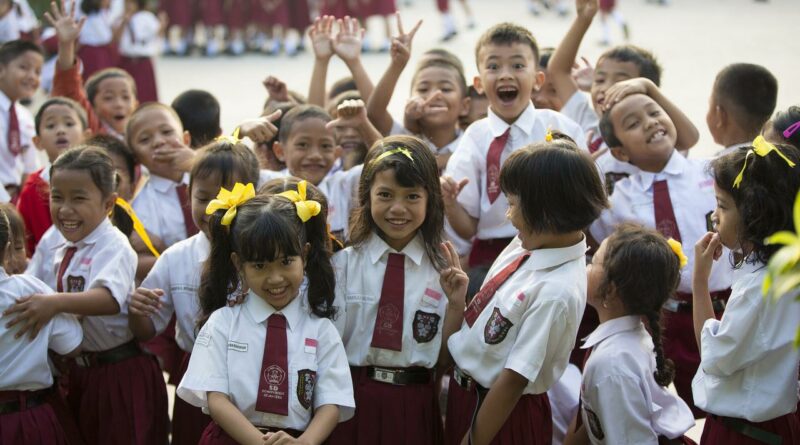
(595, 145)
(579, 420)
(388, 332)
(273, 385)
(665, 216)
(63, 268)
(493, 165)
(484, 296)
(186, 209)
(14, 141)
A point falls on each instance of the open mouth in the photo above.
(350, 145)
(62, 143)
(277, 291)
(119, 118)
(398, 223)
(507, 94)
(69, 226)
(658, 136)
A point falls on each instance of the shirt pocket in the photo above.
(427, 318)
(303, 381)
(503, 319)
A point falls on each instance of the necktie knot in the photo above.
(276, 320)
(396, 260)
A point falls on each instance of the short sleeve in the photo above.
(66, 334)
(158, 278)
(602, 227)
(617, 412)
(117, 271)
(334, 385)
(733, 344)
(464, 164)
(208, 365)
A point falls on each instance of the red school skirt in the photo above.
(279, 16)
(485, 251)
(530, 422)
(96, 58)
(141, 69)
(729, 431)
(380, 7)
(389, 414)
(212, 12)
(338, 9)
(32, 423)
(188, 421)
(215, 435)
(299, 15)
(120, 403)
(236, 12)
(180, 12)
(607, 5)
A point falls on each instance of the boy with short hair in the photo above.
(199, 112)
(508, 58)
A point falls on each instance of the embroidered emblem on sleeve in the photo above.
(594, 424)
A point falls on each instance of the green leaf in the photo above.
(797, 212)
(797, 338)
(784, 237)
(786, 283)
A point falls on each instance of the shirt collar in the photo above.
(547, 258)
(524, 122)
(746, 269)
(45, 174)
(675, 166)
(161, 184)
(260, 310)
(92, 237)
(611, 327)
(377, 247)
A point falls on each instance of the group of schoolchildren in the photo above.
(310, 289)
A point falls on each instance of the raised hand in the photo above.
(63, 21)
(321, 35)
(452, 278)
(620, 90)
(451, 189)
(707, 250)
(276, 89)
(586, 9)
(401, 44)
(583, 75)
(262, 129)
(347, 44)
(351, 113)
(145, 302)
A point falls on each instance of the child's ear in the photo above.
(187, 138)
(538, 80)
(87, 133)
(465, 105)
(36, 141)
(478, 84)
(277, 148)
(110, 202)
(236, 263)
(620, 154)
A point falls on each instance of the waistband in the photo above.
(16, 401)
(682, 301)
(466, 382)
(395, 376)
(109, 356)
(749, 429)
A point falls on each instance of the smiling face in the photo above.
(397, 211)
(508, 77)
(19, 78)
(645, 131)
(547, 97)
(309, 151)
(60, 129)
(152, 129)
(726, 219)
(277, 282)
(77, 206)
(449, 103)
(115, 102)
(608, 72)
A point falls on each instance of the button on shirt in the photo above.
(531, 323)
(749, 366)
(359, 280)
(469, 161)
(158, 206)
(691, 191)
(620, 396)
(227, 358)
(13, 167)
(25, 366)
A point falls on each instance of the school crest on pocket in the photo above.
(75, 284)
(306, 379)
(496, 328)
(594, 424)
(426, 326)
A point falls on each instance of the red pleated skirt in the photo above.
(787, 427)
(141, 69)
(96, 58)
(180, 12)
(188, 421)
(164, 346)
(212, 14)
(237, 13)
(338, 9)
(299, 15)
(215, 435)
(34, 426)
(120, 403)
(530, 423)
(607, 5)
(276, 17)
(382, 7)
(391, 414)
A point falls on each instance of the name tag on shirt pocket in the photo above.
(360, 298)
(236, 346)
(182, 287)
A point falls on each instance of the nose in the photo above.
(314, 153)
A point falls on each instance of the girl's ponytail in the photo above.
(219, 278)
(665, 368)
(319, 269)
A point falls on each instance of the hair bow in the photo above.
(676, 247)
(305, 208)
(548, 137)
(761, 147)
(230, 200)
(232, 139)
(402, 150)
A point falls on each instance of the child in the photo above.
(99, 36)
(448, 24)
(519, 329)
(180, 15)
(625, 375)
(478, 108)
(110, 94)
(60, 124)
(172, 284)
(124, 163)
(404, 294)
(199, 112)
(139, 44)
(15, 259)
(259, 381)
(18, 21)
(747, 380)
(671, 194)
(26, 416)
(20, 66)
(116, 391)
(785, 127)
(507, 57)
(742, 100)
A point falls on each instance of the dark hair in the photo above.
(16, 225)
(93, 82)
(749, 93)
(643, 271)
(450, 62)
(65, 101)
(265, 228)
(507, 34)
(232, 162)
(785, 119)
(764, 198)
(342, 85)
(421, 171)
(15, 48)
(473, 93)
(606, 128)
(198, 111)
(649, 67)
(544, 57)
(90, 6)
(139, 111)
(114, 146)
(5, 231)
(558, 185)
(299, 114)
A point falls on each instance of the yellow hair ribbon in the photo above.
(230, 200)
(761, 147)
(305, 208)
(676, 247)
(232, 139)
(402, 150)
(548, 137)
(138, 227)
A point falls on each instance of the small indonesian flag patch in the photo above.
(432, 297)
(311, 346)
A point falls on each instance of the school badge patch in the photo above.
(496, 328)
(306, 379)
(594, 424)
(426, 326)
(709, 222)
(75, 284)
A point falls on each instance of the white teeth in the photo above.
(69, 225)
(277, 291)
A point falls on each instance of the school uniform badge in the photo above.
(594, 424)
(496, 328)
(425, 326)
(306, 379)
(75, 284)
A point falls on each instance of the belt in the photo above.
(747, 429)
(400, 376)
(682, 302)
(110, 356)
(466, 382)
(16, 401)
(664, 440)
(289, 431)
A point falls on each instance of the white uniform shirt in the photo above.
(359, 280)
(13, 167)
(450, 148)
(25, 366)
(227, 358)
(579, 108)
(531, 323)
(97, 30)
(140, 37)
(748, 366)
(103, 259)
(41, 263)
(622, 403)
(4, 196)
(469, 161)
(691, 191)
(158, 206)
(18, 20)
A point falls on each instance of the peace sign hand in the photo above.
(401, 44)
(452, 278)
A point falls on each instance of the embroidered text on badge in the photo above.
(236, 346)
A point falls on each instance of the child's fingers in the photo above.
(275, 115)
(462, 184)
(399, 24)
(414, 31)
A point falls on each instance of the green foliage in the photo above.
(783, 269)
